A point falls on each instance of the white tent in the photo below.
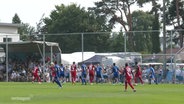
(109, 60)
(76, 57)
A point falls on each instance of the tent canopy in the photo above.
(97, 59)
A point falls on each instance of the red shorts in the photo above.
(73, 74)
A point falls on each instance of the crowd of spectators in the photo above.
(21, 71)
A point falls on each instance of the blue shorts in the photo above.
(152, 76)
(115, 76)
(99, 76)
(62, 75)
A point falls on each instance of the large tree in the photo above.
(117, 42)
(16, 20)
(119, 11)
(25, 30)
(74, 19)
(175, 18)
(156, 7)
(142, 40)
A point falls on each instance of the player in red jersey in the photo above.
(91, 71)
(53, 71)
(36, 75)
(138, 74)
(73, 72)
(128, 77)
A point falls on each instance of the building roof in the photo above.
(10, 24)
(169, 54)
(30, 47)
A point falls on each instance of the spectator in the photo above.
(67, 74)
(160, 74)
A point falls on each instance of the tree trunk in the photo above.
(178, 21)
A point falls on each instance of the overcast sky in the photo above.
(30, 11)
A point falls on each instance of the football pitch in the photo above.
(49, 93)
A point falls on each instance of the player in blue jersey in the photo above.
(151, 75)
(115, 71)
(55, 74)
(98, 73)
(84, 74)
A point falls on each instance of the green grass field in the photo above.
(49, 93)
